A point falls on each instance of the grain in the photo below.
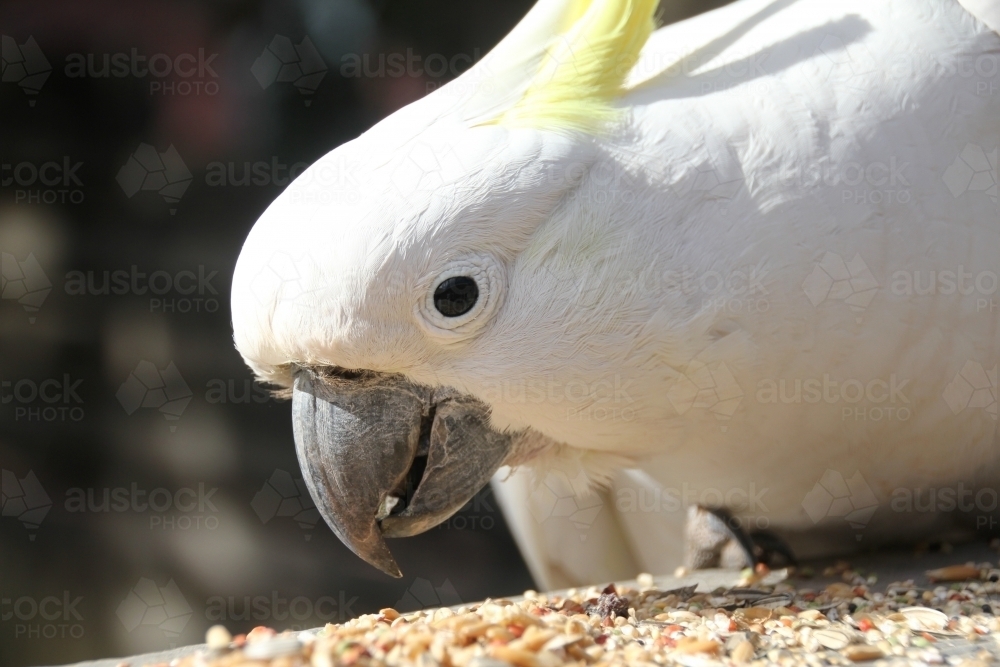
(845, 622)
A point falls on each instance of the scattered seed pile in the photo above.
(838, 624)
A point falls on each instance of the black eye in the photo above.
(456, 296)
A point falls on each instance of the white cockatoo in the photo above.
(747, 262)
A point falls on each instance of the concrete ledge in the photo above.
(888, 565)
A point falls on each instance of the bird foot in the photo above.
(715, 538)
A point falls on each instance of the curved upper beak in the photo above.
(384, 457)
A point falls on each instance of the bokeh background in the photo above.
(150, 488)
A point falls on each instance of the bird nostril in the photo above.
(345, 373)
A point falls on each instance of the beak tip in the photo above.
(389, 567)
(376, 553)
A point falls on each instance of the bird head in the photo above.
(384, 283)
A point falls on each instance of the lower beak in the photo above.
(384, 457)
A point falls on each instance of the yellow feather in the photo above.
(584, 67)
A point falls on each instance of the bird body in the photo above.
(796, 311)
(751, 265)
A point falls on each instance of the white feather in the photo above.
(763, 140)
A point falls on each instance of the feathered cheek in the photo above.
(458, 301)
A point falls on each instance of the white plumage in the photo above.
(668, 294)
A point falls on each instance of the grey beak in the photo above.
(364, 442)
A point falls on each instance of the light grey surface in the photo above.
(147, 658)
(888, 565)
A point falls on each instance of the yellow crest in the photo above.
(581, 53)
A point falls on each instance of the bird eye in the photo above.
(456, 296)
(460, 297)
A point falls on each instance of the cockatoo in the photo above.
(744, 263)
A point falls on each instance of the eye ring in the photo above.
(483, 272)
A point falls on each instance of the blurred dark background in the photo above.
(149, 488)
